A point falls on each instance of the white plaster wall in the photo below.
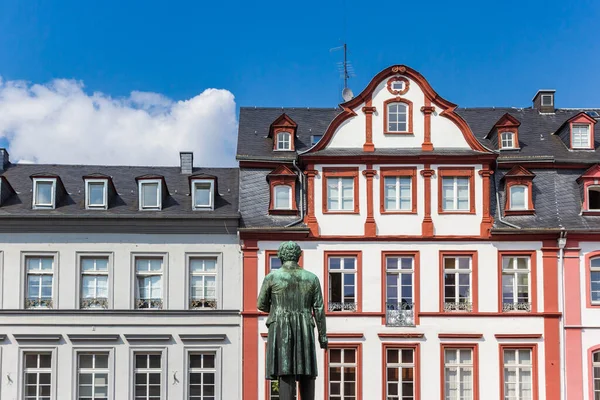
(67, 320)
(458, 224)
(444, 133)
(351, 133)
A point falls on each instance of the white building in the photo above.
(119, 282)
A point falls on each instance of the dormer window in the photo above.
(283, 197)
(580, 136)
(150, 194)
(282, 186)
(203, 194)
(518, 191)
(507, 140)
(96, 194)
(547, 100)
(518, 197)
(44, 193)
(593, 198)
(284, 141)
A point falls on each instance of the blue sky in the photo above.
(276, 53)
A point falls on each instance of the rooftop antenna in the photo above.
(346, 72)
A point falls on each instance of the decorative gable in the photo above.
(282, 189)
(577, 133)
(518, 190)
(589, 186)
(283, 132)
(505, 133)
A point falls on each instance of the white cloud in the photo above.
(59, 123)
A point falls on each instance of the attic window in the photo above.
(507, 140)
(593, 198)
(547, 100)
(44, 193)
(580, 138)
(518, 197)
(398, 85)
(203, 194)
(284, 141)
(95, 194)
(150, 194)
(397, 117)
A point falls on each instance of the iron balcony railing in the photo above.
(94, 302)
(399, 314)
(463, 306)
(338, 306)
(198, 304)
(149, 304)
(38, 302)
(507, 307)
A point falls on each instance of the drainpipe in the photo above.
(562, 241)
(301, 177)
(498, 208)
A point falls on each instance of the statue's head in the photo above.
(289, 251)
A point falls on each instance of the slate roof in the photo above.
(125, 204)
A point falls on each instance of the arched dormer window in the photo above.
(507, 140)
(282, 195)
(397, 118)
(284, 141)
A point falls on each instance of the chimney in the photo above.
(543, 101)
(187, 162)
(4, 160)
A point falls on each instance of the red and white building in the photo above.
(443, 238)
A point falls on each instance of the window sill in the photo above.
(398, 133)
(382, 212)
(275, 211)
(509, 148)
(519, 212)
(341, 212)
(461, 212)
(590, 212)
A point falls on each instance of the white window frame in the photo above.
(507, 137)
(595, 377)
(340, 197)
(398, 82)
(55, 274)
(508, 269)
(550, 96)
(343, 365)
(80, 256)
(188, 350)
(104, 205)
(593, 269)
(289, 191)
(588, 133)
(457, 272)
(270, 257)
(218, 281)
(518, 367)
(398, 113)
(52, 350)
(397, 187)
(399, 272)
(343, 272)
(164, 377)
(211, 205)
(455, 194)
(281, 141)
(111, 367)
(164, 280)
(597, 187)
(525, 197)
(143, 182)
(459, 367)
(52, 204)
(401, 366)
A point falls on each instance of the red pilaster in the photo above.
(572, 316)
(250, 321)
(370, 225)
(551, 323)
(368, 109)
(427, 110)
(311, 219)
(427, 225)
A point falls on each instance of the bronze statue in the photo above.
(292, 296)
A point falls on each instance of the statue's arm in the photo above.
(319, 314)
(264, 297)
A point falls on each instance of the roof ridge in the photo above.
(290, 108)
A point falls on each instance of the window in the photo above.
(455, 194)
(202, 380)
(342, 374)
(37, 376)
(400, 379)
(150, 195)
(547, 100)
(516, 283)
(459, 374)
(397, 117)
(517, 374)
(457, 283)
(148, 376)
(581, 136)
(92, 376)
(507, 140)
(398, 193)
(283, 197)
(203, 194)
(595, 280)
(96, 194)
(274, 262)
(149, 274)
(284, 141)
(399, 290)
(342, 283)
(44, 193)
(398, 85)
(518, 197)
(203, 282)
(596, 374)
(593, 202)
(40, 279)
(340, 194)
(314, 139)
(94, 282)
